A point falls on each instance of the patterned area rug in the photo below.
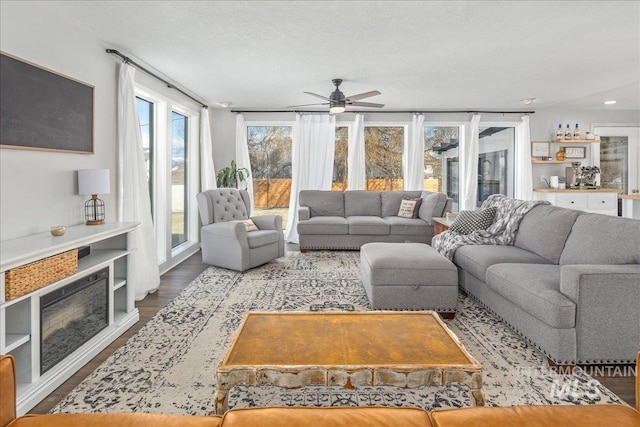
(169, 365)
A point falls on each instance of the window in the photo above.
(168, 131)
(441, 159)
(340, 159)
(145, 116)
(495, 162)
(270, 157)
(179, 205)
(383, 157)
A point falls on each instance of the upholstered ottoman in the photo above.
(408, 276)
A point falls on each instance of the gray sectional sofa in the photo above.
(348, 220)
(570, 284)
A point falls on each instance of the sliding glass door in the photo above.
(179, 205)
(168, 131)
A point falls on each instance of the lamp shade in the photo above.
(93, 181)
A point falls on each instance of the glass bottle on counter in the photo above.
(576, 132)
(559, 132)
(567, 133)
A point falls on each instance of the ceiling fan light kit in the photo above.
(337, 109)
(338, 102)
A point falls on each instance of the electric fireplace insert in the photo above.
(72, 315)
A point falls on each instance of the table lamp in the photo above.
(93, 182)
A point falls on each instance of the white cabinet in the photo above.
(20, 318)
(595, 201)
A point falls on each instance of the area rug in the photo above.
(169, 365)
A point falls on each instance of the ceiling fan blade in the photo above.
(365, 104)
(363, 95)
(319, 96)
(306, 105)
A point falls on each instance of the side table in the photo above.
(441, 224)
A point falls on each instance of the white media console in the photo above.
(20, 322)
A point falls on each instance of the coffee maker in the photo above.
(582, 177)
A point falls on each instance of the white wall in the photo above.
(37, 188)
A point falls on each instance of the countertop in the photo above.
(565, 190)
(629, 196)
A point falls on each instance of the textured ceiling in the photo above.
(420, 55)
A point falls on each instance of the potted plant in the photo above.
(231, 176)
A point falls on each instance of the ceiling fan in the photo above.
(338, 102)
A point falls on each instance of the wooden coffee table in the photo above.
(295, 349)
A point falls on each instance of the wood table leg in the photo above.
(477, 395)
(221, 400)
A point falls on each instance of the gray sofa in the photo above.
(570, 284)
(348, 220)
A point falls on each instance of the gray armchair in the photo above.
(228, 244)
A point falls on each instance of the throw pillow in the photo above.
(469, 221)
(409, 207)
(248, 223)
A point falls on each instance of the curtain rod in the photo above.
(386, 112)
(128, 60)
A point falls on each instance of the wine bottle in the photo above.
(559, 132)
(576, 132)
(567, 133)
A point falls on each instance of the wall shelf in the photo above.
(576, 141)
(551, 162)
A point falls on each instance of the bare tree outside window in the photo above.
(383, 157)
(340, 159)
(270, 157)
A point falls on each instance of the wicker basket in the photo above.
(29, 277)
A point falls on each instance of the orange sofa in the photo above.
(529, 416)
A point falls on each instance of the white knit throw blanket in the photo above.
(509, 213)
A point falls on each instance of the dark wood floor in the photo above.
(174, 281)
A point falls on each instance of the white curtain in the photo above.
(207, 170)
(134, 203)
(242, 154)
(356, 169)
(312, 153)
(413, 156)
(524, 172)
(469, 146)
